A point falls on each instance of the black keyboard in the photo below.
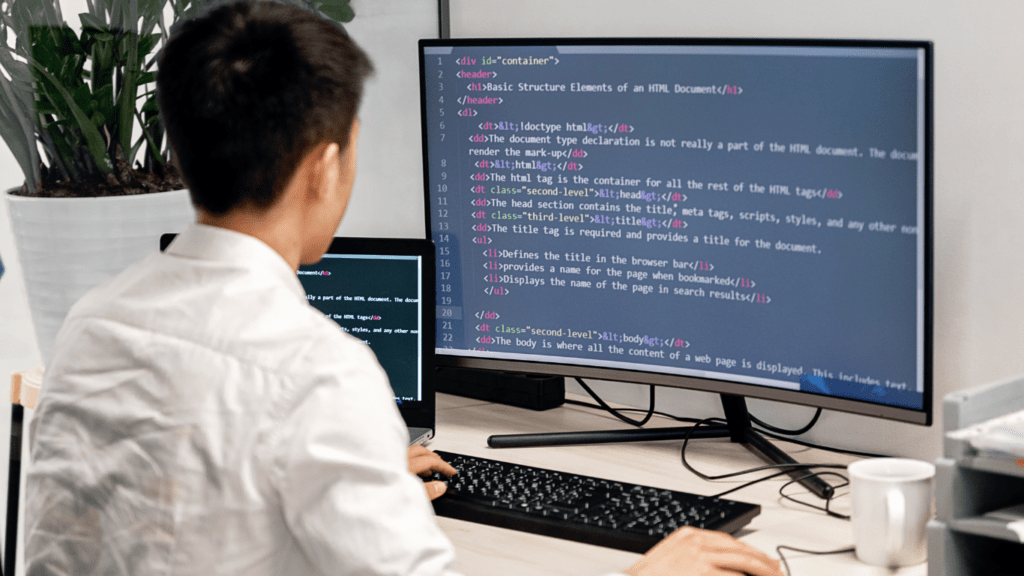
(581, 508)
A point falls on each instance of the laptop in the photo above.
(381, 291)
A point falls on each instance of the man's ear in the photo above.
(324, 170)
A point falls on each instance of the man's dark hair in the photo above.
(247, 90)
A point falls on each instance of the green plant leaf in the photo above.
(27, 14)
(102, 60)
(149, 139)
(44, 107)
(338, 10)
(126, 100)
(94, 140)
(17, 131)
(92, 21)
(19, 73)
(151, 8)
(120, 48)
(49, 95)
(10, 131)
(62, 151)
(150, 105)
(105, 100)
(98, 119)
(83, 97)
(135, 148)
(147, 43)
(44, 48)
(69, 43)
(185, 9)
(70, 72)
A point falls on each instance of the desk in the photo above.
(463, 426)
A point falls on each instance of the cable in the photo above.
(828, 501)
(614, 412)
(754, 419)
(785, 468)
(702, 476)
(796, 432)
(656, 412)
(820, 447)
(751, 483)
(778, 550)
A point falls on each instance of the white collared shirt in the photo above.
(199, 417)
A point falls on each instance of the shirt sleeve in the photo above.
(339, 459)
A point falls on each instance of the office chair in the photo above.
(22, 395)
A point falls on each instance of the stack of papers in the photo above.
(1001, 437)
(1014, 518)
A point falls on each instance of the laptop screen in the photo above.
(381, 290)
(377, 298)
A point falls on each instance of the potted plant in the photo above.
(79, 113)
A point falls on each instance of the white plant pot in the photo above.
(69, 245)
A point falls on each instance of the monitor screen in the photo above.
(738, 216)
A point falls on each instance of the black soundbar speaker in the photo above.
(533, 391)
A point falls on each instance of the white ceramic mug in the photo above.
(891, 502)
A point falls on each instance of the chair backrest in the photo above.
(25, 387)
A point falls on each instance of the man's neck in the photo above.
(271, 226)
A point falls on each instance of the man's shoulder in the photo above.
(243, 315)
(215, 330)
(236, 310)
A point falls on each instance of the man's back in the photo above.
(183, 403)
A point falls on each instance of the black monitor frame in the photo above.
(725, 388)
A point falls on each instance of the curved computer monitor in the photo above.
(746, 217)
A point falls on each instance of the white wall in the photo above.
(979, 133)
(387, 200)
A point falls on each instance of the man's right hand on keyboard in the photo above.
(691, 551)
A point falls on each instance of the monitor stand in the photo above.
(738, 430)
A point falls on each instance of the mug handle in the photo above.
(896, 510)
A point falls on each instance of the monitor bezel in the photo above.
(923, 416)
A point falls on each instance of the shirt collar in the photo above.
(217, 244)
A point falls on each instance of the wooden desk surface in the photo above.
(463, 426)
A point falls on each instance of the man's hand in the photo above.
(689, 551)
(423, 462)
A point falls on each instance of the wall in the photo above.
(979, 128)
(387, 198)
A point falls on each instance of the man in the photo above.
(198, 416)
